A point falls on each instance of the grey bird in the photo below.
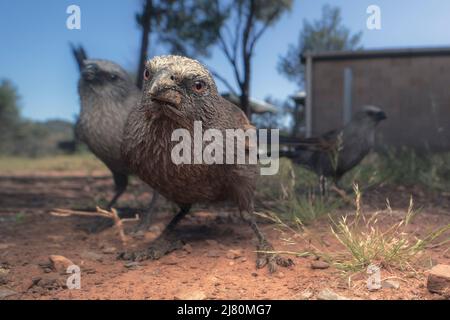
(107, 95)
(336, 152)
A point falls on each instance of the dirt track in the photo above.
(204, 269)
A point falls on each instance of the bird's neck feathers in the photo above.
(206, 114)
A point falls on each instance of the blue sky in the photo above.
(35, 53)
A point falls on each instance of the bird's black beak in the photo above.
(381, 116)
(89, 72)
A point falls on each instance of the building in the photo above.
(411, 85)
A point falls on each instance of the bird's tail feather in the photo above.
(79, 54)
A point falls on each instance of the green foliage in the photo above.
(187, 27)
(24, 137)
(9, 113)
(403, 167)
(268, 11)
(325, 34)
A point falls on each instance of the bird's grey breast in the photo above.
(101, 124)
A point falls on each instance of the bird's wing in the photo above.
(239, 119)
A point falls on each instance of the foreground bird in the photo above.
(337, 152)
(178, 91)
(107, 95)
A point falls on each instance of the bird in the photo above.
(336, 152)
(177, 92)
(107, 95)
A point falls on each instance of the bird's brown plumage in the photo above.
(147, 140)
(171, 101)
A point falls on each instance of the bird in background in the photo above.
(177, 92)
(336, 152)
(107, 95)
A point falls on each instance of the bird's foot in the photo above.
(267, 256)
(157, 249)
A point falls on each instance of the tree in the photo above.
(192, 27)
(244, 24)
(9, 112)
(325, 34)
(187, 27)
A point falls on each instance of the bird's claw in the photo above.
(158, 249)
(266, 256)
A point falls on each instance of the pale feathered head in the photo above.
(179, 87)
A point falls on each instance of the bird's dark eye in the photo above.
(146, 74)
(113, 76)
(199, 86)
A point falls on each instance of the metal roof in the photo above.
(257, 106)
(378, 53)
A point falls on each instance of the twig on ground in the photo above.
(118, 223)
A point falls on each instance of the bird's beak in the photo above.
(89, 72)
(381, 116)
(164, 90)
(167, 96)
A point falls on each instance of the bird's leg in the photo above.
(121, 183)
(323, 185)
(165, 243)
(147, 217)
(265, 255)
(101, 223)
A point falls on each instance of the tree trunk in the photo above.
(245, 91)
(145, 21)
(246, 59)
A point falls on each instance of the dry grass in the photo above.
(85, 162)
(367, 241)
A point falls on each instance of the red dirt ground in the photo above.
(202, 270)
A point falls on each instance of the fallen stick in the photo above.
(118, 223)
(342, 194)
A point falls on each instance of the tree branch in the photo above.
(263, 29)
(224, 81)
(230, 59)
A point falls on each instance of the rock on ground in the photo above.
(439, 280)
(60, 263)
(327, 294)
(5, 292)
